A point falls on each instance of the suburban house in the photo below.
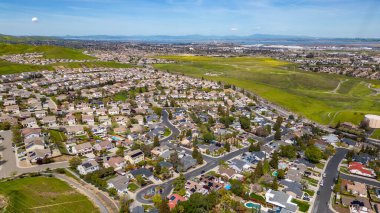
(29, 123)
(104, 145)
(120, 183)
(357, 188)
(88, 167)
(281, 200)
(174, 199)
(134, 156)
(82, 149)
(49, 121)
(359, 169)
(115, 162)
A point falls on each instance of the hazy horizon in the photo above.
(314, 18)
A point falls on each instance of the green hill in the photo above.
(48, 51)
(316, 96)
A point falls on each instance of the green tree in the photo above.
(170, 115)
(281, 174)
(75, 162)
(277, 134)
(156, 141)
(197, 155)
(208, 137)
(157, 111)
(275, 184)
(274, 160)
(245, 123)
(140, 180)
(179, 183)
(288, 151)
(164, 206)
(157, 199)
(227, 146)
(266, 167)
(157, 169)
(258, 173)
(313, 154)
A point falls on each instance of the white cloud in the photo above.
(234, 29)
(34, 19)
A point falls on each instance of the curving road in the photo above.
(211, 162)
(321, 203)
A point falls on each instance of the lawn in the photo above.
(302, 205)
(376, 134)
(44, 194)
(133, 187)
(167, 132)
(309, 192)
(309, 94)
(312, 181)
(59, 138)
(257, 197)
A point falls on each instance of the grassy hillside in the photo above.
(43, 194)
(316, 96)
(12, 68)
(48, 51)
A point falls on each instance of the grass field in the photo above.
(43, 194)
(12, 68)
(48, 51)
(316, 96)
(376, 134)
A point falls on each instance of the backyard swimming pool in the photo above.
(251, 205)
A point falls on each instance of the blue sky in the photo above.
(320, 18)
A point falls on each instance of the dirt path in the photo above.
(56, 204)
(338, 86)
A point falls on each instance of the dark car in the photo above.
(203, 171)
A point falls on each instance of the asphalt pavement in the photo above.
(211, 162)
(321, 203)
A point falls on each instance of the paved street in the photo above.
(8, 165)
(321, 202)
(211, 162)
(367, 181)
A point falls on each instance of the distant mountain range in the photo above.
(255, 38)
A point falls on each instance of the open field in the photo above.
(43, 194)
(376, 134)
(313, 95)
(48, 51)
(12, 68)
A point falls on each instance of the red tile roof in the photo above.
(174, 198)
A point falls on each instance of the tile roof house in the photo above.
(281, 200)
(360, 169)
(174, 199)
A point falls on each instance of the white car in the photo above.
(321, 184)
(324, 175)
